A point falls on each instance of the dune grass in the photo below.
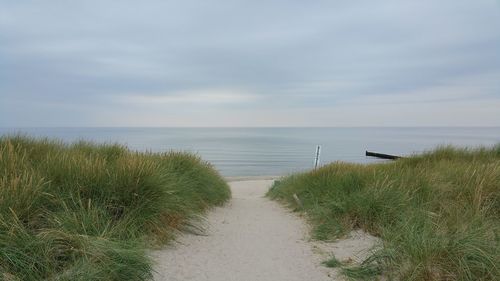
(85, 211)
(438, 214)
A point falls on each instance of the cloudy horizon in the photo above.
(249, 63)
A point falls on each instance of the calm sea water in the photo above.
(275, 151)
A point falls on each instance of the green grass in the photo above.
(332, 262)
(85, 211)
(438, 213)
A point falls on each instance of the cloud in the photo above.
(462, 89)
(242, 59)
(201, 96)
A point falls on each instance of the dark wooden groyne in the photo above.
(382, 155)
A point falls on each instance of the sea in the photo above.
(276, 151)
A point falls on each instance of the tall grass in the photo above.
(88, 212)
(438, 213)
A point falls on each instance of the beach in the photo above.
(254, 238)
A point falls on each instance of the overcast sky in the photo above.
(250, 63)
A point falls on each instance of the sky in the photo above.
(227, 63)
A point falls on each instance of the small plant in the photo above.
(362, 272)
(332, 262)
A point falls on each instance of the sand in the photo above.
(254, 239)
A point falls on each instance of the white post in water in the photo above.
(316, 160)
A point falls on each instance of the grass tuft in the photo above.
(438, 213)
(332, 262)
(87, 211)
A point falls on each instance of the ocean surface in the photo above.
(275, 151)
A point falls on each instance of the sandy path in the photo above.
(250, 239)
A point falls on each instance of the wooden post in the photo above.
(316, 160)
(382, 155)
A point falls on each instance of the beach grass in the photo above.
(86, 211)
(438, 213)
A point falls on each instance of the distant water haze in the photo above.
(275, 151)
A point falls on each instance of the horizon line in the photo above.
(239, 127)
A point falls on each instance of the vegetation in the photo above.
(438, 213)
(89, 212)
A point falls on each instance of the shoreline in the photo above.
(251, 178)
